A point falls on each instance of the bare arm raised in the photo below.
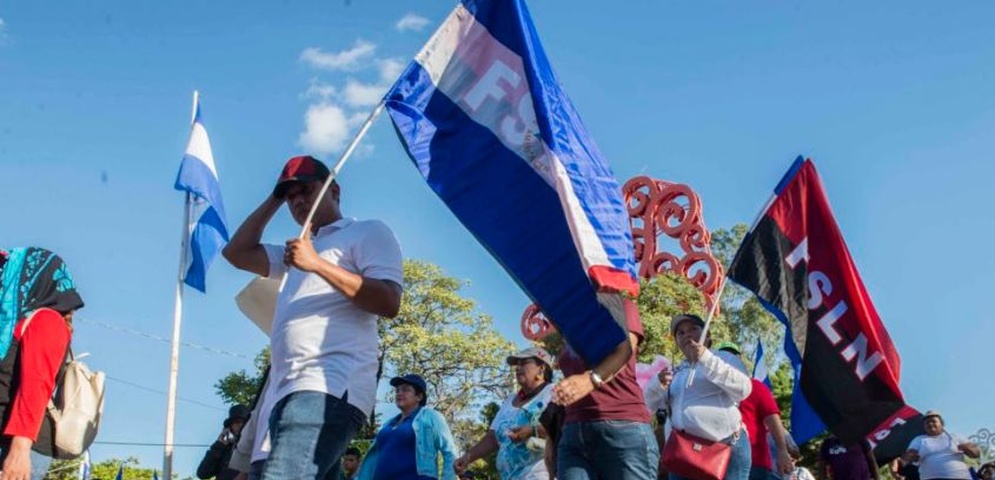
(244, 251)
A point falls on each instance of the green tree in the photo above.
(105, 470)
(240, 387)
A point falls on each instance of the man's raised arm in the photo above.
(244, 250)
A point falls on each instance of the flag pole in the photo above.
(174, 358)
(335, 172)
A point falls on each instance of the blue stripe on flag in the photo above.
(510, 209)
(208, 238)
(805, 423)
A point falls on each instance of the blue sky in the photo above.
(893, 100)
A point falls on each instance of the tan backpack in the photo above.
(73, 414)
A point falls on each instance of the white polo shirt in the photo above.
(939, 457)
(321, 341)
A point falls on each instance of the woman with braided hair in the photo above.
(37, 301)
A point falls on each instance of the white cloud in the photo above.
(357, 119)
(320, 91)
(358, 94)
(326, 129)
(349, 59)
(390, 69)
(411, 22)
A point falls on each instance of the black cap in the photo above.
(239, 412)
(415, 381)
(304, 168)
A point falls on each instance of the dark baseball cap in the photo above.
(304, 168)
(415, 381)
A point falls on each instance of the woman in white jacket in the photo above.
(708, 408)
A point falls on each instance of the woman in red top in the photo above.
(37, 301)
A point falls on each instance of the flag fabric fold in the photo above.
(486, 123)
(796, 261)
(207, 223)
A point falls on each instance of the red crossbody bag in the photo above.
(693, 457)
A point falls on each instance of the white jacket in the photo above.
(710, 408)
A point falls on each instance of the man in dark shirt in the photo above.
(215, 462)
(847, 462)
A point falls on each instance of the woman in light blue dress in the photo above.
(515, 433)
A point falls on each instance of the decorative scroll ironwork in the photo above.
(535, 325)
(657, 209)
(660, 208)
(985, 440)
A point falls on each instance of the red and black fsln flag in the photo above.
(796, 262)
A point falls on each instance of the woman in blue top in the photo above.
(408, 446)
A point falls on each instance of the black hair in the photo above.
(352, 451)
(547, 372)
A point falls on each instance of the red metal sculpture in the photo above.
(658, 209)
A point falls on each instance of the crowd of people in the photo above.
(595, 422)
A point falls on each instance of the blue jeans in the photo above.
(607, 449)
(309, 433)
(256, 469)
(739, 462)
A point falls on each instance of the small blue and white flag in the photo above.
(207, 224)
(85, 468)
(760, 366)
(155, 475)
(120, 473)
(486, 123)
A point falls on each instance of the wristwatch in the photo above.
(596, 380)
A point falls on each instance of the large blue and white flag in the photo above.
(487, 124)
(208, 227)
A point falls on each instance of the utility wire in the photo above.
(142, 387)
(152, 444)
(165, 340)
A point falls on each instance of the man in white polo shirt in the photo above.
(341, 278)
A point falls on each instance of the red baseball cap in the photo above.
(304, 168)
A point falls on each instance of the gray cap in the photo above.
(531, 352)
(674, 322)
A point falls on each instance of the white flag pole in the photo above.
(174, 359)
(335, 172)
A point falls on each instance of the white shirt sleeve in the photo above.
(722, 374)
(275, 255)
(655, 395)
(916, 444)
(379, 255)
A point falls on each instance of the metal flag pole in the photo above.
(335, 173)
(174, 359)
